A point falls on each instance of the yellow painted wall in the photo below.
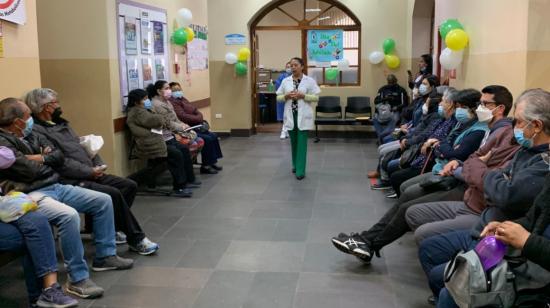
(19, 68)
(538, 45)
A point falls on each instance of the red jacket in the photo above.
(186, 112)
(474, 170)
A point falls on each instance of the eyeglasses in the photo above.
(484, 103)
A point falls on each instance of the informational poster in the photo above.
(14, 11)
(130, 35)
(197, 49)
(235, 39)
(325, 45)
(146, 35)
(147, 72)
(158, 35)
(133, 74)
(160, 68)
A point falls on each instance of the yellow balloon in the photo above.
(244, 54)
(456, 39)
(190, 34)
(392, 61)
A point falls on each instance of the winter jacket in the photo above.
(186, 112)
(26, 175)
(141, 123)
(394, 95)
(78, 165)
(424, 129)
(500, 143)
(170, 119)
(440, 133)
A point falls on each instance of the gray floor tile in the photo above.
(272, 290)
(149, 276)
(291, 230)
(138, 296)
(168, 255)
(257, 229)
(204, 254)
(225, 289)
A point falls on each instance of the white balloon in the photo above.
(230, 58)
(376, 57)
(343, 64)
(450, 59)
(184, 17)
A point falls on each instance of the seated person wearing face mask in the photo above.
(396, 97)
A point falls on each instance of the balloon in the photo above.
(457, 39)
(331, 73)
(450, 59)
(490, 251)
(190, 34)
(388, 46)
(343, 64)
(244, 54)
(184, 17)
(241, 69)
(179, 37)
(230, 58)
(376, 57)
(392, 61)
(447, 26)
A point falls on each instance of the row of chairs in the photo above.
(329, 112)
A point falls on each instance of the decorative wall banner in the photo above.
(14, 11)
(235, 39)
(325, 45)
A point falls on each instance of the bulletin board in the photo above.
(143, 50)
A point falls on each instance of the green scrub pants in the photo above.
(298, 142)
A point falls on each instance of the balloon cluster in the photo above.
(239, 59)
(183, 34)
(332, 73)
(388, 46)
(456, 39)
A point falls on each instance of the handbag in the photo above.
(437, 182)
(408, 156)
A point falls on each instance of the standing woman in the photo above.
(281, 103)
(425, 67)
(298, 91)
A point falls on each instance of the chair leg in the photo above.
(317, 139)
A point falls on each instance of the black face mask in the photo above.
(56, 115)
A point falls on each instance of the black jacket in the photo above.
(78, 165)
(394, 95)
(26, 175)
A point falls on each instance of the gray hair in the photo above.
(537, 106)
(10, 109)
(450, 94)
(37, 98)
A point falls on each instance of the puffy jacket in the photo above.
(78, 165)
(148, 144)
(186, 112)
(170, 119)
(26, 175)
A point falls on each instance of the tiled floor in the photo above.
(253, 236)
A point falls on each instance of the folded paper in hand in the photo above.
(92, 144)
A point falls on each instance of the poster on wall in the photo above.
(158, 35)
(130, 35)
(197, 49)
(160, 68)
(147, 71)
(133, 74)
(146, 35)
(325, 45)
(14, 11)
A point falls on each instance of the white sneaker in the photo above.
(284, 134)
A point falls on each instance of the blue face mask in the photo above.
(462, 115)
(147, 104)
(177, 94)
(520, 138)
(441, 111)
(28, 127)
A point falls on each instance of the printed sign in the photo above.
(130, 35)
(325, 45)
(235, 39)
(158, 37)
(146, 39)
(14, 11)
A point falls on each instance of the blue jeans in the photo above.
(446, 300)
(32, 235)
(383, 130)
(436, 251)
(61, 204)
(211, 151)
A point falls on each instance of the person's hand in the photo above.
(97, 172)
(403, 144)
(449, 168)
(432, 141)
(424, 148)
(178, 137)
(184, 126)
(300, 95)
(46, 151)
(512, 234)
(36, 157)
(485, 158)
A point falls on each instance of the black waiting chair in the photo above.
(329, 104)
(358, 105)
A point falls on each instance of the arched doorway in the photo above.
(279, 31)
(423, 32)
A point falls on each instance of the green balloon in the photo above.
(388, 46)
(241, 69)
(448, 26)
(179, 37)
(331, 73)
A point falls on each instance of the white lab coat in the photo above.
(307, 85)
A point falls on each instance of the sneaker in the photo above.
(284, 135)
(353, 244)
(208, 170)
(84, 289)
(54, 297)
(216, 167)
(391, 195)
(145, 247)
(182, 193)
(300, 177)
(112, 263)
(120, 238)
(380, 186)
(194, 184)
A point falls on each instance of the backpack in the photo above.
(384, 113)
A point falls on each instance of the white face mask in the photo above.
(423, 89)
(288, 70)
(424, 109)
(484, 114)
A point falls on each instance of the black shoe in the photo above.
(208, 170)
(432, 300)
(293, 170)
(391, 194)
(383, 185)
(182, 193)
(300, 177)
(216, 167)
(195, 184)
(353, 244)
